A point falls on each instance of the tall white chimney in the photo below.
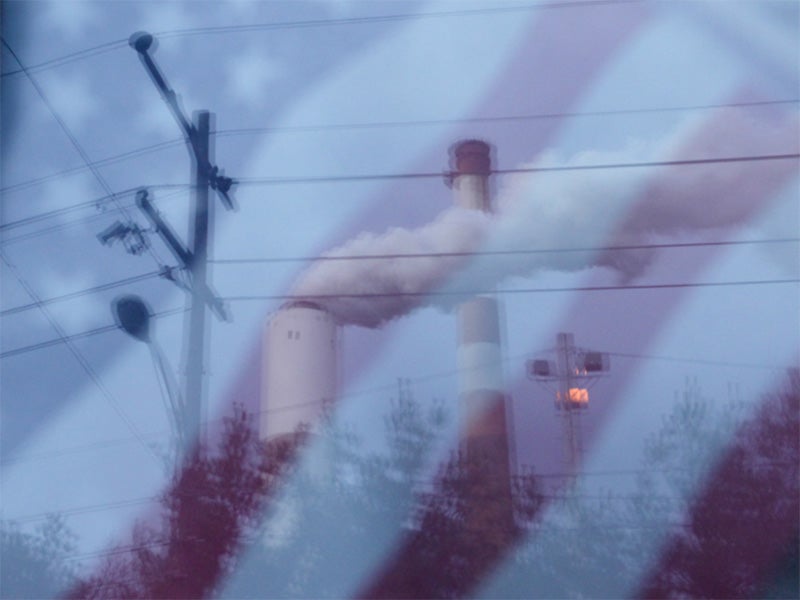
(299, 369)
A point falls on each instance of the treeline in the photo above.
(713, 514)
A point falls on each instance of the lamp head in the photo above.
(132, 315)
(141, 41)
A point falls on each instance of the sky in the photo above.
(319, 109)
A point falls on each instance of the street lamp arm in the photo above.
(142, 42)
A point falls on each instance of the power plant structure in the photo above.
(574, 371)
(300, 369)
(484, 401)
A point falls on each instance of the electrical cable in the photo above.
(85, 365)
(67, 339)
(373, 390)
(79, 510)
(92, 290)
(354, 257)
(595, 288)
(15, 239)
(134, 279)
(144, 150)
(96, 203)
(78, 147)
(287, 25)
(697, 361)
(384, 124)
(496, 119)
(288, 297)
(242, 181)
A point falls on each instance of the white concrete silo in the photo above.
(300, 372)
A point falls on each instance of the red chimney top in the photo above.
(472, 158)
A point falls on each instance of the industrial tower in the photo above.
(574, 371)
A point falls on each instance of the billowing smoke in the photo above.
(374, 278)
(464, 251)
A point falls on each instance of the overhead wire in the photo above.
(458, 293)
(68, 339)
(84, 363)
(6, 240)
(77, 294)
(379, 389)
(95, 203)
(528, 251)
(500, 292)
(88, 509)
(110, 160)
(251, 181)
(428, 175)
(75, 143)
(385, 124)
(312, 23)
(524, 170)
(495, 119)
(421, 255)
(697, 361)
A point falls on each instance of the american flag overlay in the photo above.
(400, 299)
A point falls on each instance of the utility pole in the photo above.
(194, 258)
(196, 359)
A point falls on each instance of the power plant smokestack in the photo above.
(484, 426)
(299, 370)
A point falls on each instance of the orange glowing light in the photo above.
(579, 395)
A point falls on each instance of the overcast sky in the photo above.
(317, 91)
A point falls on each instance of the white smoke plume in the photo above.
(362, 290)
(465, 250)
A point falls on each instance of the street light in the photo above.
(132, 315)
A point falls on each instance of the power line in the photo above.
(351, 257)
(426, 255)
(68, 339)
(385, 124)
(68, 58)
(699, 361)
(555, 169)
(92, 290)
(176, 33)
(421, 175)
(6, 240)
(80, 448)
(495, 119)
(96, 203)
(288, 297)
(119, 550)
(14, 187)
(474, 292)
(92, 508)
(74, 141)
(373, 390)
(63, 338)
